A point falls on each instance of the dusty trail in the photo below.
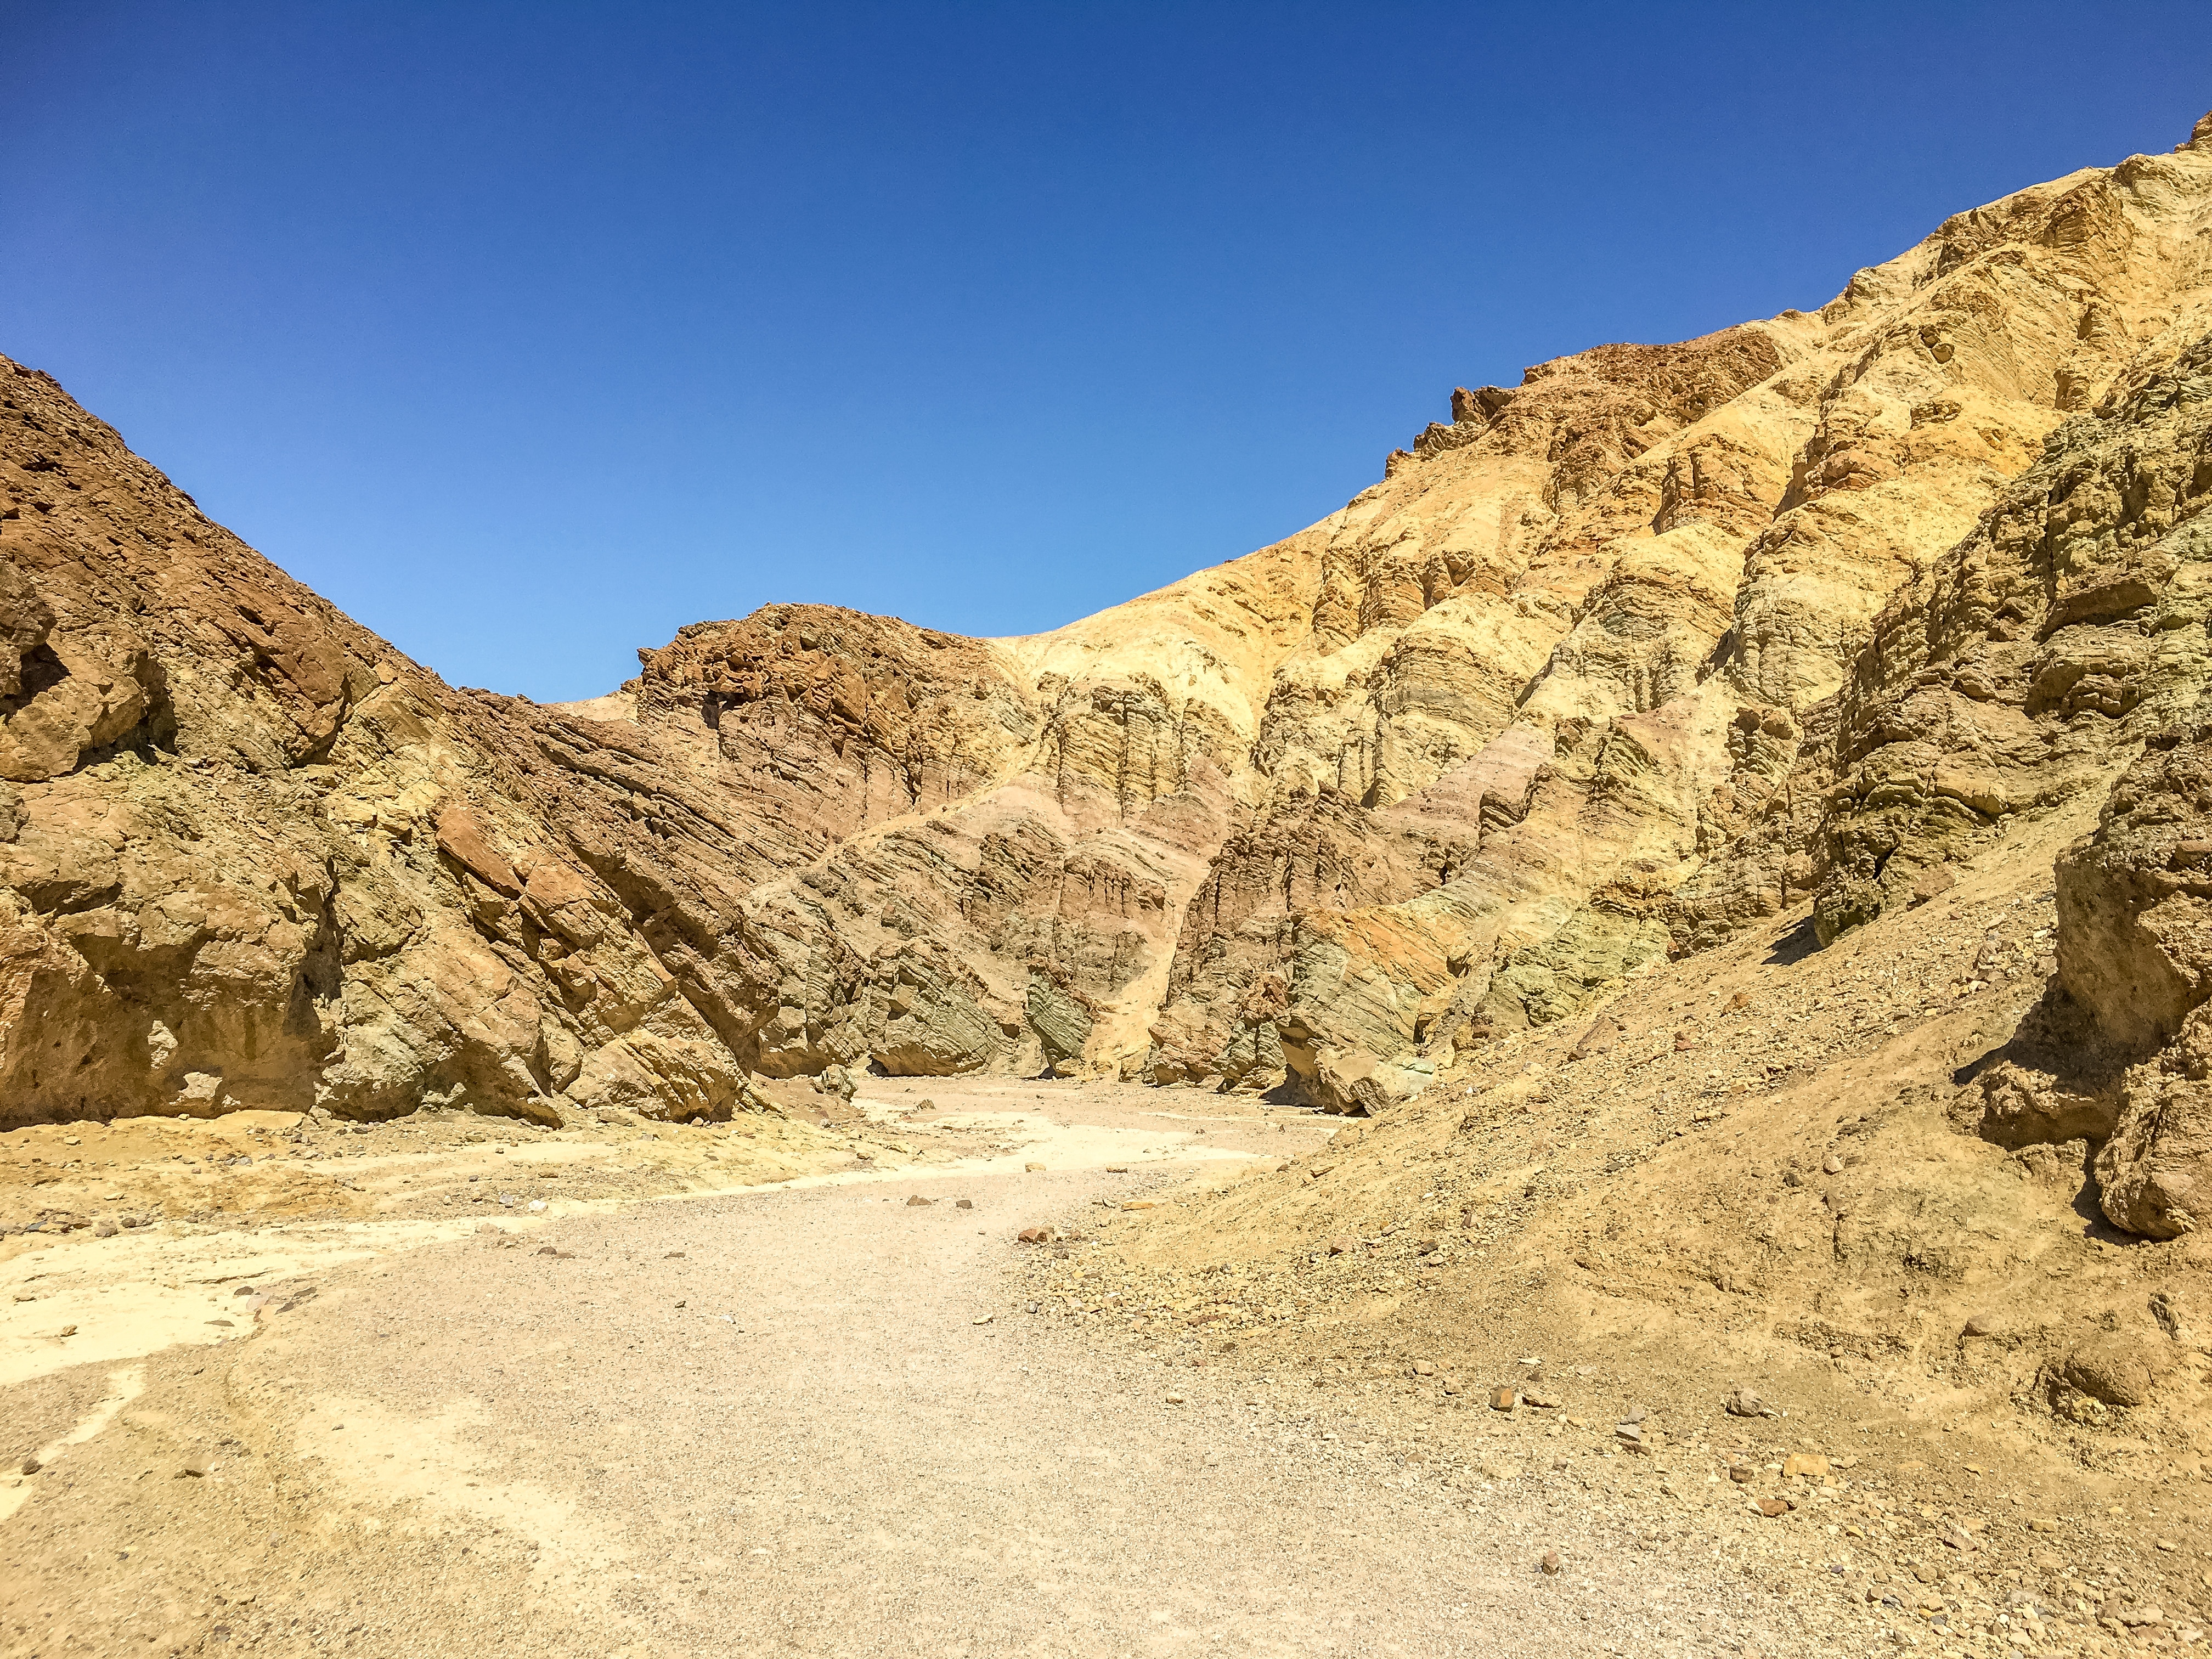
(772, 1423)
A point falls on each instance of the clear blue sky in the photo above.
(530, 332)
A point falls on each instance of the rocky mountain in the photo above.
(1659, 643)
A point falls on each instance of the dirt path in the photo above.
(805, 1421)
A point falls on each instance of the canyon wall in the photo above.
(1665, 639)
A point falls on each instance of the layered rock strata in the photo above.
(1664, 640)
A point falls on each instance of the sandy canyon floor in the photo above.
(678, 1412)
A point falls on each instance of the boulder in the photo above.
(1366, 1085)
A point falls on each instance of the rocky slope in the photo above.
(1654, 646)
(1749, 1241)
(1556, 699)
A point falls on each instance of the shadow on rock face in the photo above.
(2055, 1079)
(1794, 946)
(2053, 1092)
(2118, 1052)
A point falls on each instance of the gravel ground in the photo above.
(807, 1421)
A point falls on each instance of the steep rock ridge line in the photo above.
(1700, 540)
(1659, 643)
(251, 856)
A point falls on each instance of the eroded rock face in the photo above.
(2017, 674)
(1659, 643)
(1585, 667)
(2014, 672)
(252, 857)
(2136, 951)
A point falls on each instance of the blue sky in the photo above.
(530, 332)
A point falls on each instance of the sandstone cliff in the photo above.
(1656, 644)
